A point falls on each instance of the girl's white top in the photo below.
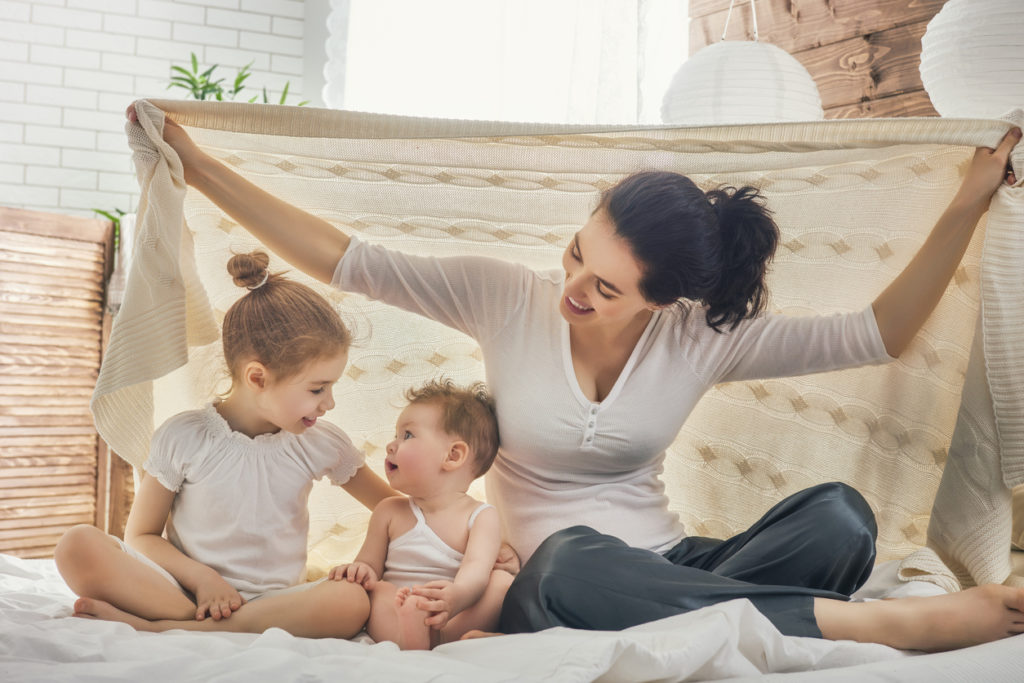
(567, 460)
(241, 503)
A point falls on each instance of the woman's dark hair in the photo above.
(712, 248)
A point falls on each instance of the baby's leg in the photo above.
(482, 616)
(94, 565)
(942, 622)
(383, 622)
(330, 609)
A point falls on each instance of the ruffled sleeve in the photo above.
(175, 446)
(336, 456)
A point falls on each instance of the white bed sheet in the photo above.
(39, 641)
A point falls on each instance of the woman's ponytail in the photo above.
(749, 238)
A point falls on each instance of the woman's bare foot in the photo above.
(91, 608)
(942, 622)
(413, 634)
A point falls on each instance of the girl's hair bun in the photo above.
(249, 270)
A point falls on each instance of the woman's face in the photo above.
(602, 278)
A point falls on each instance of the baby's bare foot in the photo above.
(413, 634)
(477, 633)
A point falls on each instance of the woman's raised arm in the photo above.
(311, 244)
(905, 304)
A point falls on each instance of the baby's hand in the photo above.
(355, 572)
(437, 599)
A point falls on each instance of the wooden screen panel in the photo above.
(53, 468)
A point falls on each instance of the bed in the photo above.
(40, 641)
(935, 441)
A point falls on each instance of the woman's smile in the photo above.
(576, 307)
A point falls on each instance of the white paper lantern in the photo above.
(741, 82)
(970, 58)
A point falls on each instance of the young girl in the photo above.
(427, 559)
(229, 484)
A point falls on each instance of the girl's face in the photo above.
(602, 277)
(295, 403)
(415, 458)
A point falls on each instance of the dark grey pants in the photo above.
(819, 542)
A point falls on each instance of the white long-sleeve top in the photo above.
(565, 459)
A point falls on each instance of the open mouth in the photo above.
(390, 467)
(576, 307)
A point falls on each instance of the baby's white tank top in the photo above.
(419, 555)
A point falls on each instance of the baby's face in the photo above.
(415, 458)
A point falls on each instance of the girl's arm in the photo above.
(143, 531)
(368, 566)
(446, 599)
(368, 488)
(309, 243)
(905, 304)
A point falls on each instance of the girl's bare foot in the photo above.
(91, 608)
(943, 622)
(413, 634)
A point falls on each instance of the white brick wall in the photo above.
(68, 69)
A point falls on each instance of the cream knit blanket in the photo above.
(854, 199)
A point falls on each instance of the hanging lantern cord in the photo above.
(753, 12)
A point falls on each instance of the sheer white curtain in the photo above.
(563, 61)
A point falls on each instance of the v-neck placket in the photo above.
(593, 408)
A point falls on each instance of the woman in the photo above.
(595, 368)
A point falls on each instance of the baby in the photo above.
(428, 558)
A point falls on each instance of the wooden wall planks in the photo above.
(863, 54)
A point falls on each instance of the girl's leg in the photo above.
(822, 537)
(94, 565)
(482, 616)
(329, 609)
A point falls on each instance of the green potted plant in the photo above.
(201, 85)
